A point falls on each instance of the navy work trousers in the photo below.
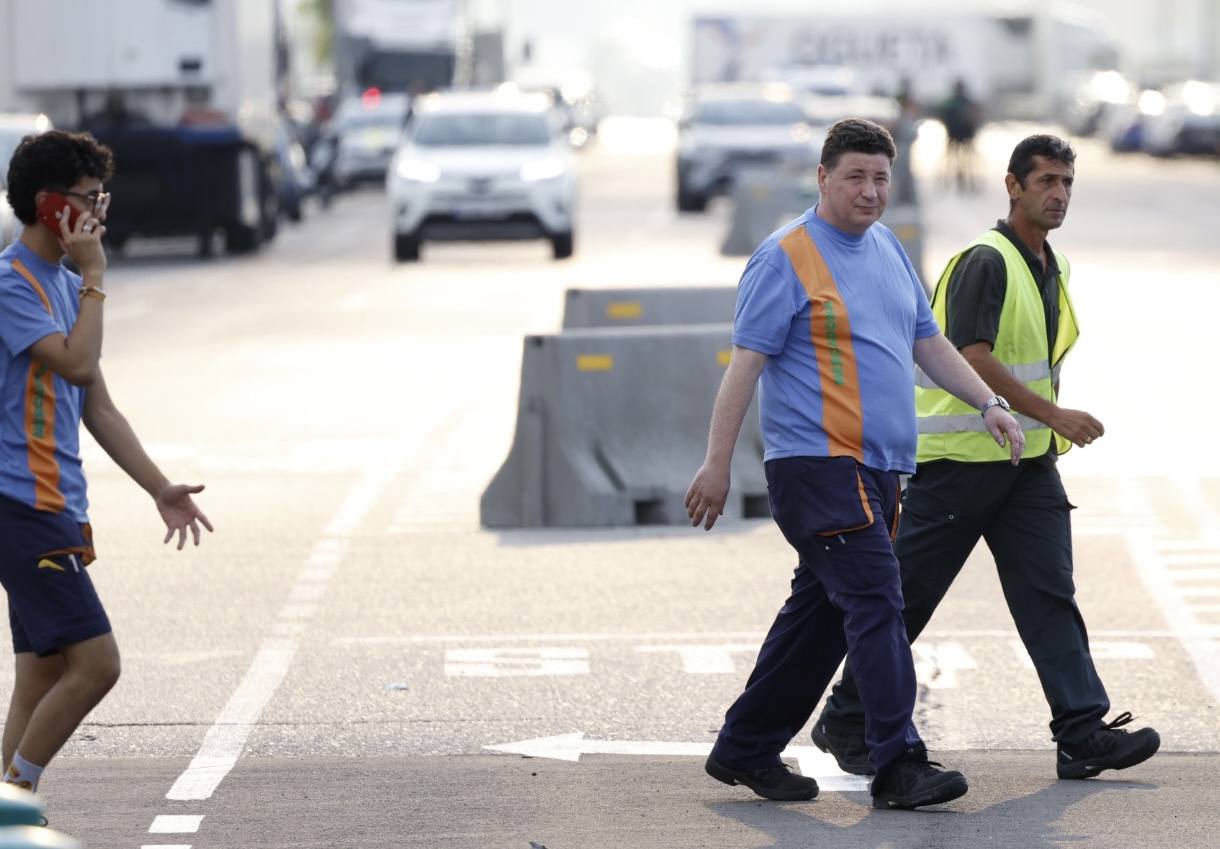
(1022, 513)
(846, 599)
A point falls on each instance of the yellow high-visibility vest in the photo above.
(951, 429)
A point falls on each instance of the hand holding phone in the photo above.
(51, 211)
(80, 233)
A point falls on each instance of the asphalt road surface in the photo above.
(350, 661)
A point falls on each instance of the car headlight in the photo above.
(418, 171)
(543, 169)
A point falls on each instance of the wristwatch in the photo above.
(994, 401)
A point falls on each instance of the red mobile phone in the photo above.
(52, 208)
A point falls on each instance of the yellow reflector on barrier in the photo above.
(594, 362)
(624, 309)
(724, 357)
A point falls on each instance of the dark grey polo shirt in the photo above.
(977, 288)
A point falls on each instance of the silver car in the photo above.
(733, 126)
(366, 131)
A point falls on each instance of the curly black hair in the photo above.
(55, 161)
(856, 135)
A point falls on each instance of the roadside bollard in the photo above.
(34, 837)
(19, 807)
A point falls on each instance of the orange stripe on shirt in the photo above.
(40, 419)
(830, 331)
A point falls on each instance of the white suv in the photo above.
(482, 166)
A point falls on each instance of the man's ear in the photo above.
(1013, 185)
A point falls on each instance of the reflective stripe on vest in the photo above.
(1025, 372)
(951, 429)
(973, 422)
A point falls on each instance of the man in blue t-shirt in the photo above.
(833, 319)
(50, 382)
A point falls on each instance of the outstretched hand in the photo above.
(180, 512)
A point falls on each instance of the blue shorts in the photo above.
(51, 600)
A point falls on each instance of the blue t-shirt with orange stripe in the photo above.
(838, 316)
(40, 412)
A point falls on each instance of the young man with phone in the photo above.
(50, 383)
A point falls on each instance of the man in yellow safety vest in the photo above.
(1004, 303)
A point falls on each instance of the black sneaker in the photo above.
(1107, 748)
(848, 749)
(913, 781)
(772, 782)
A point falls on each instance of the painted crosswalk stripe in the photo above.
(175, 824)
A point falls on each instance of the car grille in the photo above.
(503, 199)
(753, 157)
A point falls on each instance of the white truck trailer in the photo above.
(1014, 62)
(185, 91)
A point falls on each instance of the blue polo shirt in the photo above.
(838, 315)
(40, 412)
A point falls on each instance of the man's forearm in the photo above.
(116, 437)
(1019, 397)
(732, 402)
(85, 339)
(950, 371)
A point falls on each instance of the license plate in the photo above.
(477, 211)
(377, 139)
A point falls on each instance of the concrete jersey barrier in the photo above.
(612, 425)
(586, 308)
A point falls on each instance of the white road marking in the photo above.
(1182, 575)
(1186, 559)
(225, 740)
(227, 737)
(1177, 603)
(704, 659)
(529, 638)
(569, 747)
(1100, 649)
(175, 824)
(515, 663)
(684, 636)
(937, 664)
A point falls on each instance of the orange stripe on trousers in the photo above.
(830, 330)
(40, 419)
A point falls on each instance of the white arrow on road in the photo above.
(569, 747)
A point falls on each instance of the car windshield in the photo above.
(451, 129)
(748, 112)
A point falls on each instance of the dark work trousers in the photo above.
(845, 599)
(1022, 513)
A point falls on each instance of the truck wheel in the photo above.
(562, 245)
(406, 247)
